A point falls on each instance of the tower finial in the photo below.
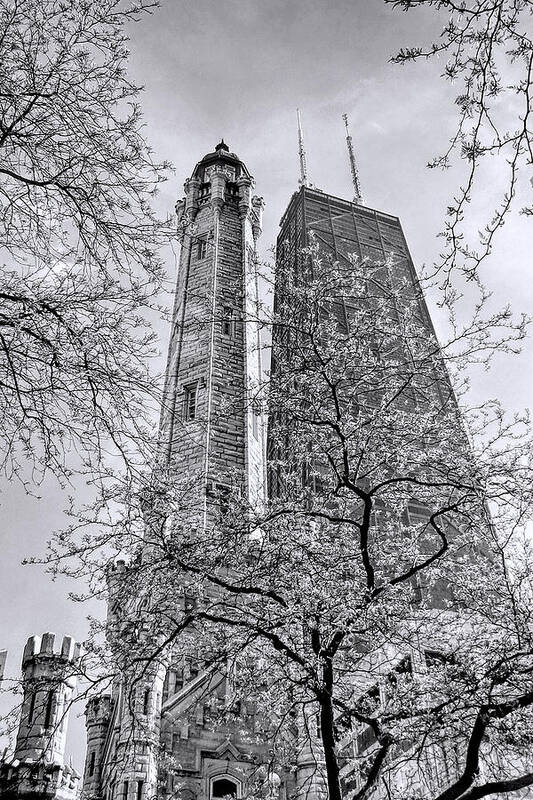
(353, 166)
(301, 152)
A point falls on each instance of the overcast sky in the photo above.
(238, 69)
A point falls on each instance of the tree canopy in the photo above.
(80, 243)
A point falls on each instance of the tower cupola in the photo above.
(221, 156)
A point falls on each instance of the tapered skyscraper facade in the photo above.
(362, 403)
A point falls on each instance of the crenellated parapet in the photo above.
(35, 781)
(45, 646)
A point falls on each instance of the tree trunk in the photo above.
(327, 732)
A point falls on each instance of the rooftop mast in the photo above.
(301, 151)
(353, 166)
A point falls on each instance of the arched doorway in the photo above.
(224, 788)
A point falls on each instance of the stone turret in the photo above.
(97, 719)
(49, 679)
(138, 735)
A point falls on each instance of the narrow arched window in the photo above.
(48, 713)
(189, 402)
(91, 764)
(201, 251)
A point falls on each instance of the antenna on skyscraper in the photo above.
(353, 166)
(301, 152)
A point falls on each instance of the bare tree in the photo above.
(80, 243)
(372, 613)
(487, 51)
(389, 612)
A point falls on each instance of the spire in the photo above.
(353, 166)
(301, 152)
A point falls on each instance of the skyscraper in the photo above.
(361, 403)
(367, 442)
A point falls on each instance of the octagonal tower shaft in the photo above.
(212, 430)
